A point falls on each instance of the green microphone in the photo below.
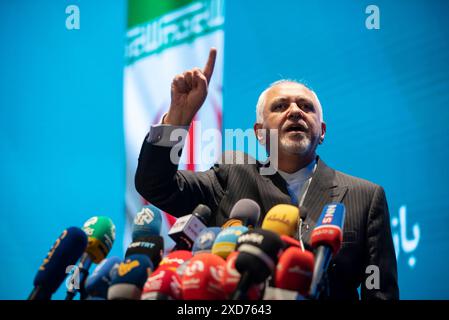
(101, 235)
(100, 231)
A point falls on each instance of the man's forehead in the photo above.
(289, 89)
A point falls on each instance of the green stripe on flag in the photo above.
(141, 11)
(173, 28)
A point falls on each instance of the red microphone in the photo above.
(163, 284)
(290, 242)
(231, 278)
(294, 270)
(202, 278)
(326, 240)
(174, 259)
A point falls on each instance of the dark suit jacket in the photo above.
(367, 236)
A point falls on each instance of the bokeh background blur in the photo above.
(64, 124)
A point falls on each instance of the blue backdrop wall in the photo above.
(384, 93)
(61, 129)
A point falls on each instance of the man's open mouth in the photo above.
(295, 128)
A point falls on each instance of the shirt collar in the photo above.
(300, 175)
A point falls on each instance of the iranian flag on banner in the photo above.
(163, 39)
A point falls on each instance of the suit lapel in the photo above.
(278, 193)
(323, 189)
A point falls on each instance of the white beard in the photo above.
(299, 147)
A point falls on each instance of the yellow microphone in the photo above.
(282, 219)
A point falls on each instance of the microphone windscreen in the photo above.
(294, 270)
(246, 210)
(97, 283)
(185, 230)
(202, 278)
(174, 259)
(282, 219)
(101, 235)
(259, 251)
(232, 223)
(163, 284)
(328, 231)
(226, 241)
(231, 278)
(151, 246)
(290, 242)
(203, 213)
(205, 240)
(128, 280)
(65, 252)
(147, 222)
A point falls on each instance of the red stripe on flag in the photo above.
(191, 147)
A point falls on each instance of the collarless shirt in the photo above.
(298, 182)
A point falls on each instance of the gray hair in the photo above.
(261, 101)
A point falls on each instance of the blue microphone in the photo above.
(205, 240)
(129, 278)
(65, 252)
(326, 239)
(98, 282)
(147, 223)
(226, 240)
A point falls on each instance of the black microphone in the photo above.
(203, 213)
(245, 212)
(150, 246)
(259, 251)
(187, 228)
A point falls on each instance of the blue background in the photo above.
(384, 93)
(61, 125)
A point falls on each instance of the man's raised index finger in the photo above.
(209, 68)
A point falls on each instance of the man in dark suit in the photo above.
(294, 112)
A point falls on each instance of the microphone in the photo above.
(202, 278)
(259, 251)
(98, 282)
(147, 222)
(326, 239)
(231, 278)
(175, 259)
(226, 241)
(282, 219)
(101, 235)
(294, 270)
(203, 213)
(245, 212)
(66, 250)
(290, 242)
(187, 228)
(205, 240)
(163, 284)
(151, 246)
(129, 278)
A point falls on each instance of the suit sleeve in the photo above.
(380, 251)
(158, 180)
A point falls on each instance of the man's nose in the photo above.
(294, 111)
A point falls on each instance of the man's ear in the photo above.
(259, 133)
(323, 132)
